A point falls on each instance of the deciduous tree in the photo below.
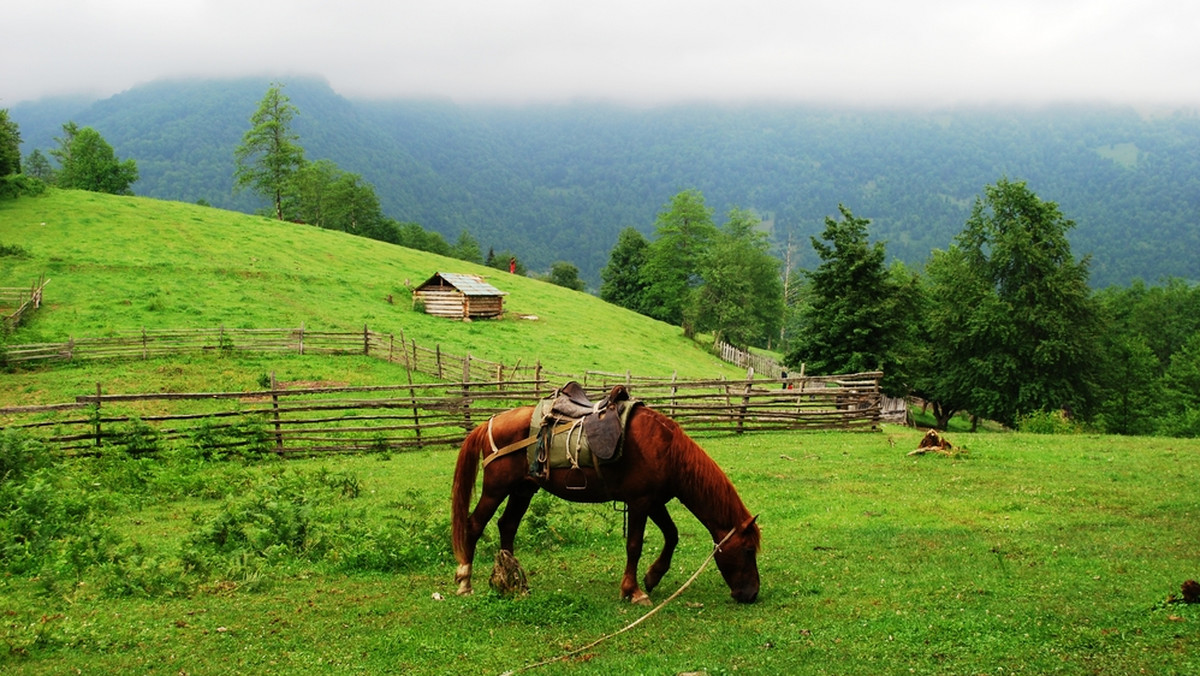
(1018, 328)
(10, 145)
(566, 275)
(741, 298)
(672, 272)
(88, 162)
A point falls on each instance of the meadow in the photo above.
(1021, 553)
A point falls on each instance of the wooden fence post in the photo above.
(466, 385)
(674, 391)
(275, 406)
(741, 423)
(98, 435)
(366, 341)
(301, 344)
(412, 394)
(144, 353)
(537, 379)
(437, 356)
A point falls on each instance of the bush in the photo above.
(287, 515)
(1048, 422)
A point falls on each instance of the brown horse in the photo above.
(659, 462)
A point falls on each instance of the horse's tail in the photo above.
(465, 472)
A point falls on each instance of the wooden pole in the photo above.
(98, 435)
(275, 406)
(466, 384)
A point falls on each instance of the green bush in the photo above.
(1048, 422)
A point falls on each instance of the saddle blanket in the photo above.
(564, 443)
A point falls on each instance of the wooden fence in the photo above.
(390, 418)
(21, 300)
(746, 359)
(151, 343)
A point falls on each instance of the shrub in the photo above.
(1048, 422)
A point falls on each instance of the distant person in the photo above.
(512, 265)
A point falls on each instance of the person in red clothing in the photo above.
(512, 265)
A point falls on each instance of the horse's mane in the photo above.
(701, 477)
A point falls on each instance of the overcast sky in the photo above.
(890, 52)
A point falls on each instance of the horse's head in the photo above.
(737, 560)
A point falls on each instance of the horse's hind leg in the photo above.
(661, 518)
(489, 501)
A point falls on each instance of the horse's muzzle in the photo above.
(748, 595)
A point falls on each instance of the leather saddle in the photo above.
(601, 420)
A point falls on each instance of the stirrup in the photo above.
(567, 481)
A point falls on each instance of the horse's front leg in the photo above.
(661, 518)
(634, 539)
(514, 511)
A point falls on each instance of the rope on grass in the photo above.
(631, 625)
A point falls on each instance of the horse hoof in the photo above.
(465, 590)
(641, 599)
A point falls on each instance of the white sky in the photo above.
(872, 52)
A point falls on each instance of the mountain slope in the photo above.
(559, 182)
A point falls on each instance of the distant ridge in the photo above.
(559, 182)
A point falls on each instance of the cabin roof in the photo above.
(469, 285)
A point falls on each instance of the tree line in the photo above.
(1001, 325)
(85, 162)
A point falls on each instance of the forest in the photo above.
(559, 183)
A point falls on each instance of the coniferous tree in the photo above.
(852, 321)
(270, 156)
(621, 278)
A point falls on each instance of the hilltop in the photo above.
(123, 263)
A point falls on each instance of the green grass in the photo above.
(1031, 554)
(123, 263)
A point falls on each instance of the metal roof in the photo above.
(469, 285)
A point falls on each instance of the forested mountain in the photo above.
(558, 182)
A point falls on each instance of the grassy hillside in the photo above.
(120, 263)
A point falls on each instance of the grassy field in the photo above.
(1028, 554)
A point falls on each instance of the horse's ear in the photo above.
(748, 523)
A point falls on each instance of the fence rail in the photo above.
(22, 300)
(389, 418)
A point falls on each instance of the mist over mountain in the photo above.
(558, 182)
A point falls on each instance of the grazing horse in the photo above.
(658, 462)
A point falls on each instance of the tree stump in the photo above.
(933, 442)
